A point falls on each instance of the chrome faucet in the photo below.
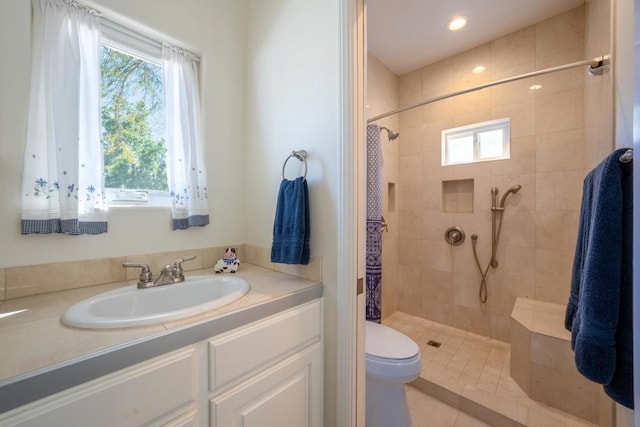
(169, 274)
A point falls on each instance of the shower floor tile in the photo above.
(470, 370)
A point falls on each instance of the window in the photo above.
(132, 113)
(476, 143)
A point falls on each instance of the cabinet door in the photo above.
(288, 394)
(145, 393)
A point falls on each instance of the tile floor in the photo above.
(427, 411)
(471, 373)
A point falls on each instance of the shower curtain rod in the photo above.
(594, 64)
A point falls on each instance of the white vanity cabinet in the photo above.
(159, 391)
(266, 373)
(269, 374)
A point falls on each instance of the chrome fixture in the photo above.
(169, 274)
(391, 134)
(454, 236)
(384, 225)
(597, 66)
(300, 155)
(496, 226)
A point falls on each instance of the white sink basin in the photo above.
(130, 306)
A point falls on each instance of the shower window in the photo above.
(476, 143)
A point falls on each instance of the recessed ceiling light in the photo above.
(458, 22)
(535, 87)
(479, 69)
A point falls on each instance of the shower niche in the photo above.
(457, 196)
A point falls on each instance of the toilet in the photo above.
(391, 360)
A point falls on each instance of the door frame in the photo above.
(350, 355)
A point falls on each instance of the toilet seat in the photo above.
(390, 354)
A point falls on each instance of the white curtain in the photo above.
(185, 160)
(62, 188)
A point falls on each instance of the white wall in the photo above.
(216, 30)
(292, 104)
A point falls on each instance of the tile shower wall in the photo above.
(440, 282)
(382, 96)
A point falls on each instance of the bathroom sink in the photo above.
(129, 306)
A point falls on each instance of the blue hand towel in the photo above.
(291, 227)
(599, 311)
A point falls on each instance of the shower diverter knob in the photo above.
(454, 236)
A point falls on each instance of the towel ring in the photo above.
(300, 155)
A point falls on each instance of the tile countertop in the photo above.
(34, 340)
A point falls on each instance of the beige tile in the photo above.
(411, 168)
(410, 281)
(560, 80)
(439, 111)
(559, 190)
(311, 271)
(515, 49)
(411, 141)
(437, 285)
(523, 122)
(435, 223)
(562, 33)
(409, 195)
(410, 223)
(522, 158)
(37, 279)
(410, 87)
(432, 196)
(472, 102)
(560, 151)
(574, 395)
(427, 411)
(553, 267)
(436, 255)
(438, 78)
(560, 111)
(464, 63)
(556, 229)
(468, 116)
(553, 353)
(516, 91)
(555, 294)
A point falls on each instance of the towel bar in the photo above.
(300, 155)
(627, 156)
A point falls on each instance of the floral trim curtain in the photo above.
(62, 186)
(185, 160)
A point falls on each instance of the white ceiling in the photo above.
(409, 34)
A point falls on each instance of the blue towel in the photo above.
(291, 227)
(599, 313)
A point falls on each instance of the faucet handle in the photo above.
(177, 266)
(145, 274)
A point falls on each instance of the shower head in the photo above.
(513, 190)
(391, 134)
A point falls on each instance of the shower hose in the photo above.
(483, 293)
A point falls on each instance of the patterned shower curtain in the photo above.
(374, 226)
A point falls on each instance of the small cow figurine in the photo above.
(228, 263)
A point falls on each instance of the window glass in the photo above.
(476, 143)
(460, 149)
(490, 144)
(132, 122)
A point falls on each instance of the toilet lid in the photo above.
(382, 341)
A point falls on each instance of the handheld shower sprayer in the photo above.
(496, 226)
(513, 190)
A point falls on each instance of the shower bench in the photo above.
(542, 362)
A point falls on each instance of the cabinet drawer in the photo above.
(131, 397)
(238, 354)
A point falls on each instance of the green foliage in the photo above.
(132, 123)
